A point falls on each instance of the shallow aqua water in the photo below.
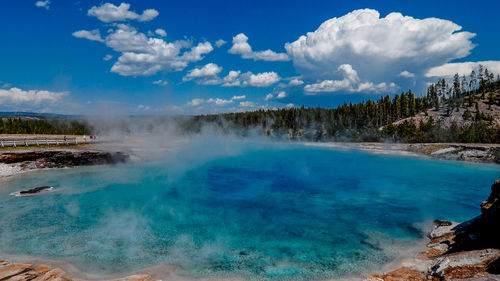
(267, 212)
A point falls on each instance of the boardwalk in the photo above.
(42, 140)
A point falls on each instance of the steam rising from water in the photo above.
(216, 205)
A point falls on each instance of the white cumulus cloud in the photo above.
(196, 53)
(108, 12)
(18, 99)
(264, 79)
(350, 83)
(220, 42)
(281, 95)
(142, 55)
(406, 74)
(93, 35)
(206, 74)
(278, 95)
(196, 102)
(241, 47)
(235, 78)
(295, 82)
(463, 68)
(379, 48)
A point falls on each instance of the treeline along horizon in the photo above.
(17, 125)
(373, 120)
(365, 121)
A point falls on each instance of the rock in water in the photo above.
(491, 207)
(483, 231)
(35, 190)
(32, 191)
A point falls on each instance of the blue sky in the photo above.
(114, 57)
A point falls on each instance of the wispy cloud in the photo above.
(43, 4)
(160, 82)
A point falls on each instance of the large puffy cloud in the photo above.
(18, 99)
(143, 55)
(379, 49)
(108, 12)
(463, 68)
(241, 47)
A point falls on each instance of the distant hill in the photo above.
(463, 116)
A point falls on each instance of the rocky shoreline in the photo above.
(479, 153)
(16, 161)
(465, 251)
(483, 153)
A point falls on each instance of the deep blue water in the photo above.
(268, 213)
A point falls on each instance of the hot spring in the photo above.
(262, 212)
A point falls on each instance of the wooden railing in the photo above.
(27, 141)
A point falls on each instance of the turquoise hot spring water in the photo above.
(263, 212)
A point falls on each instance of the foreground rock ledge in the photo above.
(28, 272)
(466, 251)
(61, 158)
